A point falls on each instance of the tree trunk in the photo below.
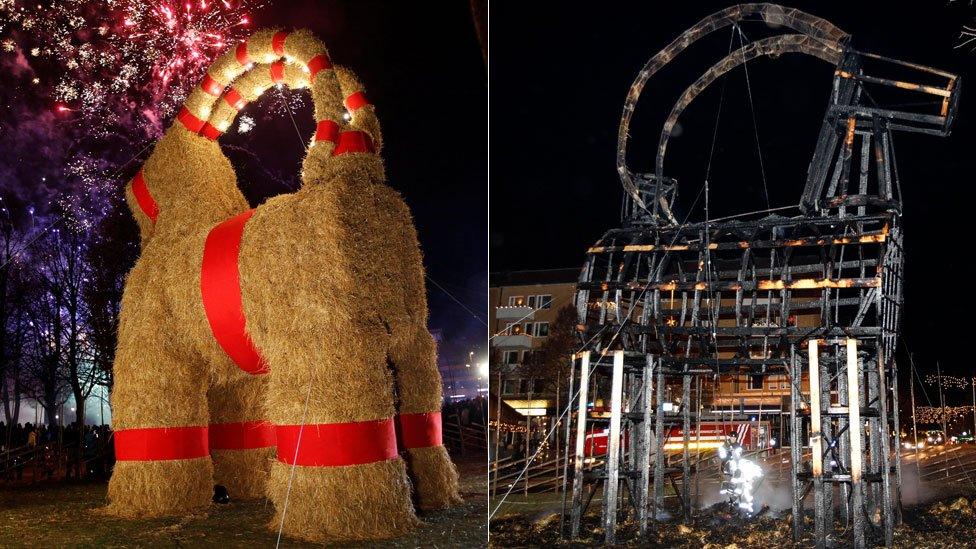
(80, 424)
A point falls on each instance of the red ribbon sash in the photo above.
(220, 287)
(278, 42)
(211, 86)
(277, 72)
(318, 63)
(189, 120)
(161, 443)
(234, 99)
(419, 430)
(241, 436)
(144, 198)
(241, 54)
(337, 444)
(353, 142)
(327, 130)
(356, 101)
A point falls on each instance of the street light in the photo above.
(483, 369)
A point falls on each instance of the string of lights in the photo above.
(949, 382)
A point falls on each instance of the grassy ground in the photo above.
(61, 515)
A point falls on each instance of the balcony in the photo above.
(514, 313)
(520, 341)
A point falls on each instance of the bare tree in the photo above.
(65, 275)
(12, 320)
(111, 252)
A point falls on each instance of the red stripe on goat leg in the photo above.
(245, 435)
(419, 430)
(161, 443)
(337, 444)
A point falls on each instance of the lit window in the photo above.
(516, 301)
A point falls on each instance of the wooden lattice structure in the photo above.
(816, 297)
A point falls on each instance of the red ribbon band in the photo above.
(337, 444)
(161, 443)
(210, 132)
(356, 101)
(278, 42)
(211, 86)
(327, 130)
(419, 430)
(318, 63)
(234, 99)
(220, 287)
(277, 72)
(241, 54)
(190, 121)
(144, 198)
(246, 435)
(353, 142)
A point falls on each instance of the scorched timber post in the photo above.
(815, 297)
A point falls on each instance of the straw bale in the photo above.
(362, 502)
(160, 488)
(243, 472)
(435, 479)
(302, 46)
(259, 46)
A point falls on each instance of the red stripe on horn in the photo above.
(144, 198)
(353, 142)
(356, 101)
(190, 121)
(327, 130)
(337, 444)
(210, 132)
(246, 435)
(277, 72)
(161, 443)
(241, 54)
(278, 42)
(220, 287)
(234, 99)
(420, 430)
(318, 63)
(211, 86)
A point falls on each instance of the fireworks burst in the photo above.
(112, 54)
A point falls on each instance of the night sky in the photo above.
(559, 78)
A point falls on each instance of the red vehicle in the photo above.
(713, 434)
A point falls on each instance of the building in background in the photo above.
(523, 307)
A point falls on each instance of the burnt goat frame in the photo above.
(812, 296)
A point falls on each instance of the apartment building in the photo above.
(523, 309)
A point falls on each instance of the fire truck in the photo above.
(749, 434)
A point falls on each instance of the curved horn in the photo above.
(773, 14)
(773, 46)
